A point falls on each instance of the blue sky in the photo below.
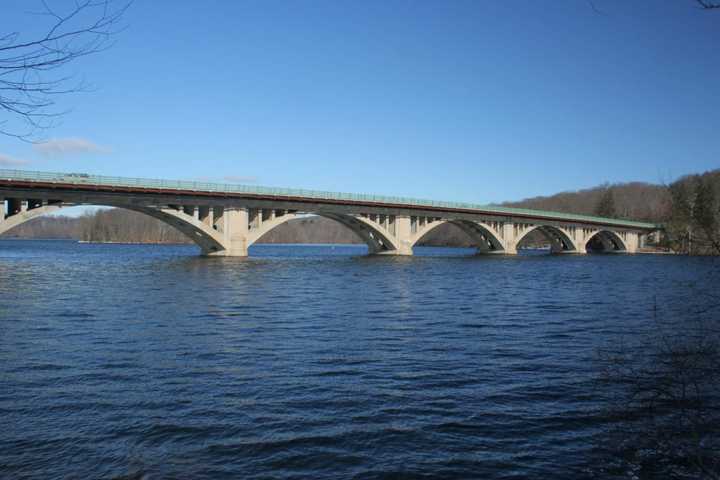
(478, 101)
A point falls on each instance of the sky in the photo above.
(478, 101)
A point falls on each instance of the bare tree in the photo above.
(693, 225)
(30, 69)
(606, 205)
(704, 4)
(636, 200)
(708, 5)
(663, 393)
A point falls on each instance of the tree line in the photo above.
(104, 225)
(688, 208)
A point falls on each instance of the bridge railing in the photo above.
(102, 180)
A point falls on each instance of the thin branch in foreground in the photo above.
(28, 86)
(708, 5)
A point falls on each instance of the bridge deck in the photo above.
(85, 182)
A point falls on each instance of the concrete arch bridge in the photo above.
(224, 220)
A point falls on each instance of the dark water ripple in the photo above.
(148, 362)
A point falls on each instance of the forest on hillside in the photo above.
(689, 208)
(638, 201)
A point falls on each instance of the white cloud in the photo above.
(8, 161)
(69, 146)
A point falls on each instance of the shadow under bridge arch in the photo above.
(486, 238)
(560, 241)
(379, 238)
(208, 239)
(605, 241)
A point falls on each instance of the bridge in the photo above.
(225, 219)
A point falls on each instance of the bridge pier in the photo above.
(632, 242)
(233, 224)
(508, 238)
(403, 241)
(236, 221)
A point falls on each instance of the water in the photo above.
(312, 362)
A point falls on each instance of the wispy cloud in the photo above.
(239, 179)
(8, 161)
(227, 179)
(69, 146)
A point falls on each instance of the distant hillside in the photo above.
(635, 200)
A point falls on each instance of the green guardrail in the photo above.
(86, 179)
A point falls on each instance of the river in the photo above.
(147, 361)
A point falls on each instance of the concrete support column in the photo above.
(2, 209)
(236, 232)
(402, 236)
(208, 216)
(509, 239)
(196, 212)
(577, 236)
(23, 206)
(218, 220)
(581, 248)
(581, 245)
(632, 242)
(255, 217)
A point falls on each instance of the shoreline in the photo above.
(645, 251)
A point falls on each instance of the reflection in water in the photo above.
(309, 362)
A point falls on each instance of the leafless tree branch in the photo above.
(28, 83)
(594, 8)
(707, 5)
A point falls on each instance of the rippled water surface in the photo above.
(311, 362)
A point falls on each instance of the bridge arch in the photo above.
(605, 241)
(377, 238)
(14, 220)
(560, 240)
(485, 238)
(208, 239)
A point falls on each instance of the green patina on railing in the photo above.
(85, 179)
